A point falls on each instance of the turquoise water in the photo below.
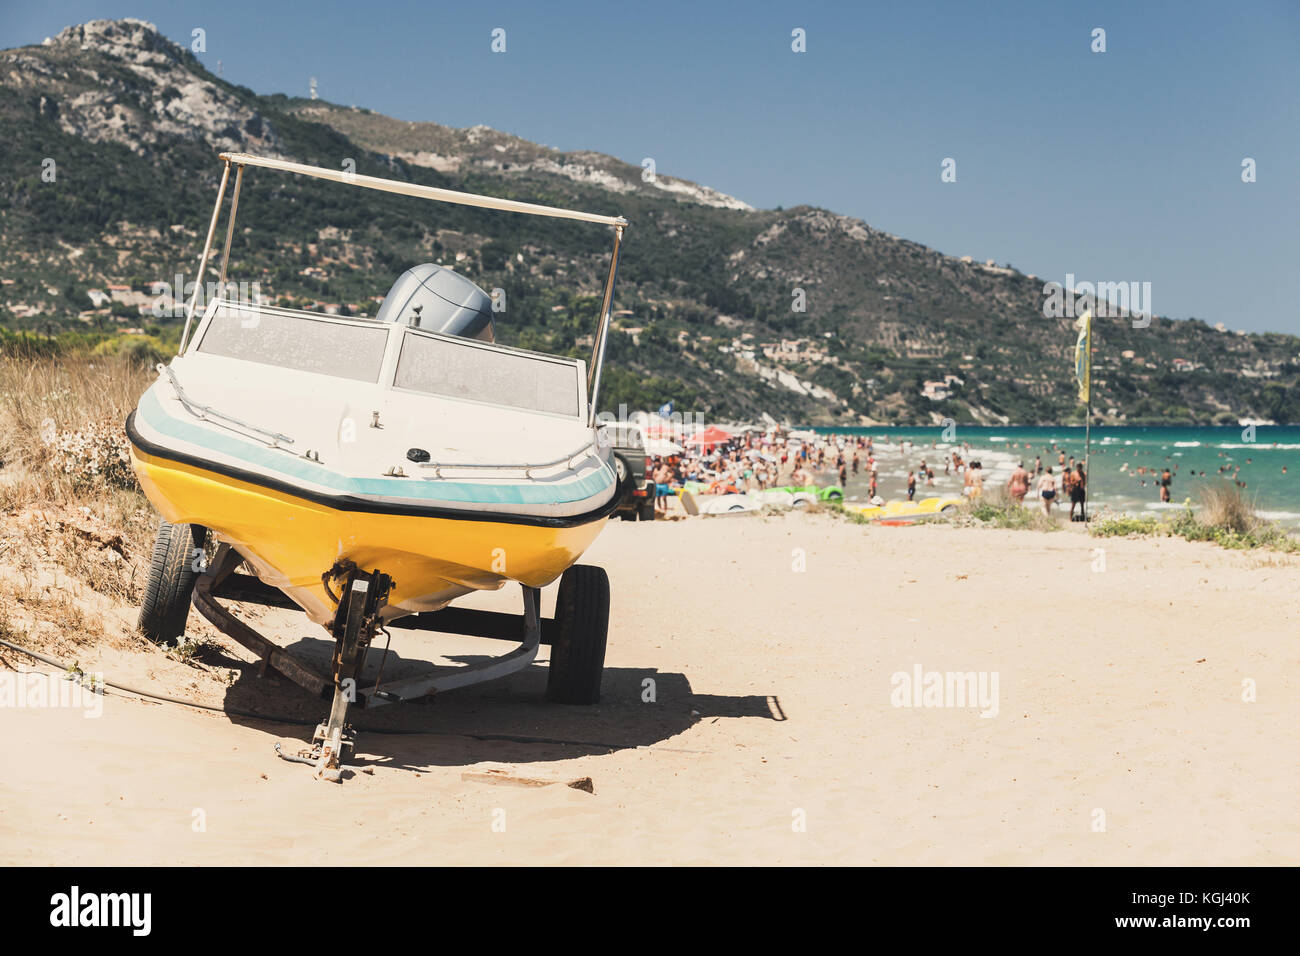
(1117, 454)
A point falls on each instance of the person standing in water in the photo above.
(1018, 486)
(1047, 490)
(1166, 479)
(1078, 492)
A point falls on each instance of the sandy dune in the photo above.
(1119, 691)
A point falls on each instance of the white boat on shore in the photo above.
(372, 470)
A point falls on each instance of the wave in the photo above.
(1258, 446)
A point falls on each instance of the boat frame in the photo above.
(241, 160)
(357, 619)
(221, 580)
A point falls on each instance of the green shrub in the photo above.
(998, 509)
(144, 349)
(837, 508)
(1225, 517)
(1122, 526)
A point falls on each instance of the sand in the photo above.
(1121, 735)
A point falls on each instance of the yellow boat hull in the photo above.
(906, 510)
(292, 541)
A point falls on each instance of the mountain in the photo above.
(109, 171)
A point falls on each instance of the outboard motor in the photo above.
(431, 297)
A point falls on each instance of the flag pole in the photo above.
(1083, 372)
(1087, 431)
(1087, 437)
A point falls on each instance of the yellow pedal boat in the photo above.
(905, 511)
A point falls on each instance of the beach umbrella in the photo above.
(662, 446)
(713, 435)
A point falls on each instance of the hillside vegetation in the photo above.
(132, 123)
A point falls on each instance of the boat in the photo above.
(731, 503)
(905, 512)
(813, 492)
(370, 471)
(774, 498)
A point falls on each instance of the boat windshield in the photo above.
(460, 368)
(341, 349)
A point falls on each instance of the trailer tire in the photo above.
(166, 605)
(578, 648)
(646, 510)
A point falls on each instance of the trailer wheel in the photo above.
(166, 603)
(646, 510)
(578, 650)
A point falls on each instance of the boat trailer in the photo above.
(356, 622)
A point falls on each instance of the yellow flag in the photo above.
(1083, 355)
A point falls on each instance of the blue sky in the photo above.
(1115, 166)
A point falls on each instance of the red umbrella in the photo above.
(713, 435)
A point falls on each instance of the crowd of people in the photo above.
(1069, 481)
(757, 461)
(754, 460)
(749, 461)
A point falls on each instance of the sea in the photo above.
(1265, 457)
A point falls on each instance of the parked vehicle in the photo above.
(636, 487)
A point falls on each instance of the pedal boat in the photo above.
(903, 512)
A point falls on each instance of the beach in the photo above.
(1124, 462)
(753, 712)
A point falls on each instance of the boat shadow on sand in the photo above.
(504, 720)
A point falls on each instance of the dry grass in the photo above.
(67, 493)
(1225, 505)
(46, 406)
(76, 532)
